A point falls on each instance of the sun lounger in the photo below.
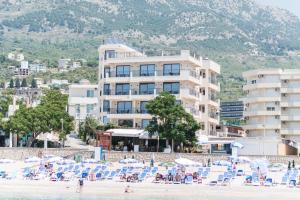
(189, 180)
(142, 176)
(268, 182)
(111, 175)
(284, 180)
(213, 183)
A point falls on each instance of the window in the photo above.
(122, 89)
(147, 70)
(171, 69)
(105, 120)
(106, 72)
(143, 107)
(172, 88)
(125, 123)
(106, 89)
(178, 102)
(123, 71)
(90, 93)
(270, 108)
(124, 107)
(106, 106)
(147, 88)
(145, 122)
(110, 54)
(77, 108)
(253, 82)
(89, 108)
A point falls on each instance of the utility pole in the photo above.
(62, 131)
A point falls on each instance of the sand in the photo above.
(112, 189)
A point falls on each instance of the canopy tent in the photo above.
(222, 163)
(186, 162)
(135, 133)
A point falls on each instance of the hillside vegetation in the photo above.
(239, 34)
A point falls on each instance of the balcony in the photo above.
(256, 99)
(286, 131)
(128, 113)
(261, 85)
(287, 117)
(153, 76)
(261, 126)
(261, 113)
(295, 90)
(289, 103)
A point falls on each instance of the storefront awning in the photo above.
(137, 133)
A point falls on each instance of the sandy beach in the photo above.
(19, 189)
(114, 190)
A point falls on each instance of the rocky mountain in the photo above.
(232, 32)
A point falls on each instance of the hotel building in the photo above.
(128, 79)
(272, 111)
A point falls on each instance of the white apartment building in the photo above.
(64, 63)
(272, 111)
(128, 79)
(37, 68)
(83, 101)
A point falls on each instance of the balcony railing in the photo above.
(126, 111)
(138, 73)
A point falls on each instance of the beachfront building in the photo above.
(129, 78)
(83, 101)
(272, 111)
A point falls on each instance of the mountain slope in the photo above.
(232, 32)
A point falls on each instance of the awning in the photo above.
(126, 132)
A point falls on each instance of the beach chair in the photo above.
(76, 168)
(84, 175)
(204, 174)
(189, 180)
(11, 176)
(240, 172)
(255, 181)
(142, 176)
(268, 182)
(98, 176)
(154, 171)
(220, 178)
(105, 174)
(111, 175)
(212, 183)
(284, 180)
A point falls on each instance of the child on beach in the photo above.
(80, 185)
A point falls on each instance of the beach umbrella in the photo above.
(32, 159)
(128, 161)
(136, 165)
(186, 162)
(55, 159)
(6, 161)
(222, 163)
(91, 161)
(240, 159)
(68, 161)
(237, 144)
(48, 156)
(167, 164)
(261, 164)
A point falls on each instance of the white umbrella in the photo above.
(90, 161)
(48, 156)
(6, 161)
(128, 160)
(56, 159)
(186, 162)
(32, 159)
(69, 161)
(136, 165)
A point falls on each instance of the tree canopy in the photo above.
(170, 120)
(46, 117)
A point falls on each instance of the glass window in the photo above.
(145, 122)
(172, 88)
(125, 122)
(143, 107)
(90, 93)
(124, 107)
(106, 89)
(106, 106)
(171, 69)
(147, 88)
(122, 89)
(110, 54)
(105, 120)
(106, 72)
(123, 71)
(147, 70)
(89, 108)
(77, 108)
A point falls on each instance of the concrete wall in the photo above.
(22, 153)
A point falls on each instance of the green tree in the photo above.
(88, 128)
(18, 84)
(11, 83)
(50, 115)
(33, 83)
(24, 83)
(170, 120)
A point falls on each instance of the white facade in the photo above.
(37, 68)
(83, 101)
(64, 63)
(272, 104)
(128, 79)
(16, 56)
(76, 64)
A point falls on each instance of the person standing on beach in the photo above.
(80, 185)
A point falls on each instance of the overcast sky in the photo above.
(291, 5)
